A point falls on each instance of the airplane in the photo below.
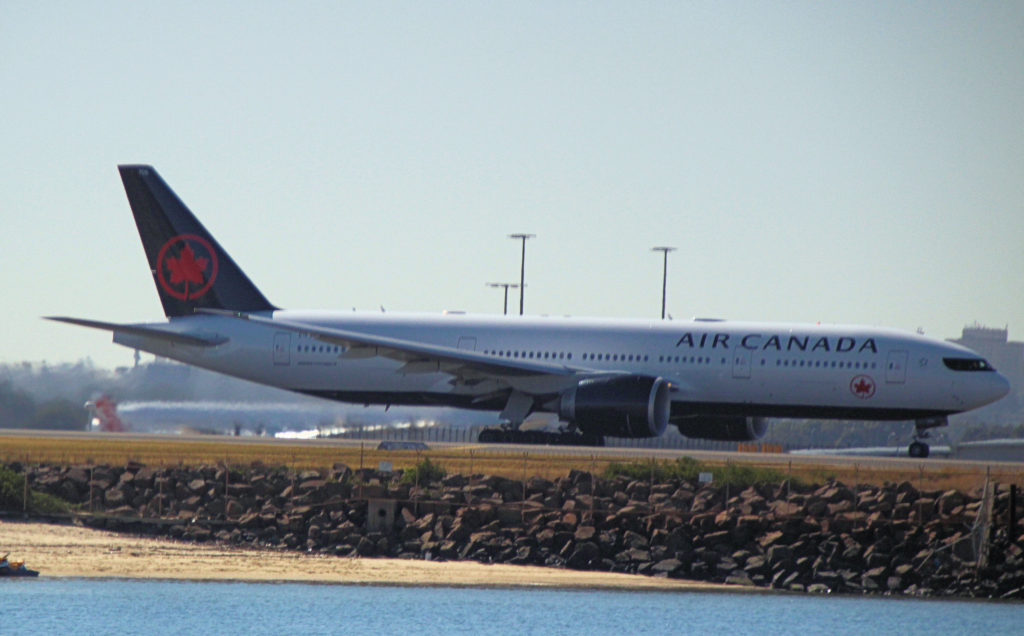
(627, 378)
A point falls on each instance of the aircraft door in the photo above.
(896, 369)
(467, 343)
(282, 349)
(741, 364)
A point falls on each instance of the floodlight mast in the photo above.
(522, 266)
(664, 274)
(506, 286)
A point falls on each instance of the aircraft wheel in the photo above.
(918, 450)
(488, 436)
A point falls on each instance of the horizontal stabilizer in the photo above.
(194, 340)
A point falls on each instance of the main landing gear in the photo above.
(562, 438)
(919, 449)
(520, 405)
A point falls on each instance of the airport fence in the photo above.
(514, 462)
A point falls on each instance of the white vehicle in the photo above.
(623, 378)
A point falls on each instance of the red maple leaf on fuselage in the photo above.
(862, 387)
(187, 268)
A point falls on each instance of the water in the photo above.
(126, 606)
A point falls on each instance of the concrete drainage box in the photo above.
(380, 515)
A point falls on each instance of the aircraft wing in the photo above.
(419, 357)
(148, 331)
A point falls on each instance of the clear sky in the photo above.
(838, 162)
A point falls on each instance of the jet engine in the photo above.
(728, 428)
(631, 406)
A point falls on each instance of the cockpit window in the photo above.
(968, 364)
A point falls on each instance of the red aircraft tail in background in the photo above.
(104, 412)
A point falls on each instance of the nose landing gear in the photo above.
(919, 449)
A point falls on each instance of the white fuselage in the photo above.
(715, 367)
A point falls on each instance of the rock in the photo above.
(836, 492)
(779, 553)
(509, 516)
(634, 510)
(635, 540)
(723, 537)
(198, 534)
(816, 508)
(311, 484)
(667, 566)
(770, 538)
(250, 520)
(784, 509)
(584, 555)
(460, 531)
(949, 501)
(366, 547)
(840, 507)
(78, 476)
(924, 508)
(639, 556)
(885, 540)
(114, 498)
(546, 537)
(536, 485)
(963, 548)
(755, 565)
(738, 577)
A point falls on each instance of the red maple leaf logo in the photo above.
(862, 386)
(190, 273)
(186, 268)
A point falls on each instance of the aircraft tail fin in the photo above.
(190, 269)
(104, 415)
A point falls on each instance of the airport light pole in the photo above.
(506, 286)
(522, 266)
(664, 274)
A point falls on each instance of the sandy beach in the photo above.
(73, 551)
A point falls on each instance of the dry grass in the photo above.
(467, 460)
(923, 477)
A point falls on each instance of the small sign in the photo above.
(385, 467)
(705, 478)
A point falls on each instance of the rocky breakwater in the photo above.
(893, 539)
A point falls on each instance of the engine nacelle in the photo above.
(727, 428)
(632, 406)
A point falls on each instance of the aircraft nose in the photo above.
(1000, 387)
